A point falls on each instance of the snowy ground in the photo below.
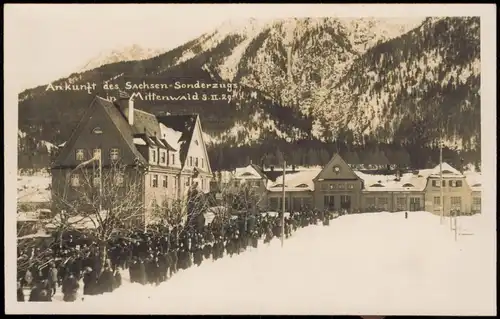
(377, 264)
(34, 188)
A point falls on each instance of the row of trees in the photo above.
(107, 205)
(226, 157)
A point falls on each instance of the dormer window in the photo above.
(80, 155)
(153, 156)
(173, 159)
(190, 161)
(163, 157)
(202, 163)
(196, 162)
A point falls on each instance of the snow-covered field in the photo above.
(377, 264)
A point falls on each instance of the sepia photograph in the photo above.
(255, 159)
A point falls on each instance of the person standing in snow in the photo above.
(53, 278)
(105, 281)
(70, 288)
(406, 215)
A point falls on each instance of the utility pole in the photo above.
(283, 207)
(441, 177)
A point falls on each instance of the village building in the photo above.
(338, 186)
(165, 154)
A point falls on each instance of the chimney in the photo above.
(126, 106)
(130, 116)
(250, 162)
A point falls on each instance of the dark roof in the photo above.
(145, 123)
(116, 117)
(259, 170)
(184, 124)
(273, 175)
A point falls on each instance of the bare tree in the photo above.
(104, 202)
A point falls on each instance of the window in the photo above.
(414, 204)
(202, 163)
(435, 183)
(163, 157)
(165, 181)
(188, 181)
(280, 202)
(119, 179)
(350, 186)
(190, 161)
(370, 201)
(202, 184)
(273, 203)
(97, 153)
(437, 201)
(401, 203)
(307, 202)
(196, 162)
(174, 185)
(332, 186)
(341, 186)
(75, 180)
(296, 203)
(456, 202)
(329, 202)
(80, 155)
(383, 202)
(476, 204)
(455, 183)
(345, 202)
(114, 154)
(154, 180)
(153, 156)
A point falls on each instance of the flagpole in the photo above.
(100, 182)
(441, 177)
(283, 207)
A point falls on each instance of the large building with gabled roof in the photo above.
(169, 149)
(338, 186)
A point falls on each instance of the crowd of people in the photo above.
(151, 256)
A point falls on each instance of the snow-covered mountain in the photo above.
(126, 53)
(352, 81)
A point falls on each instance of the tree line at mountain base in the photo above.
(315, 153)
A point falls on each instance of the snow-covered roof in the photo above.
(139, 141)
(447, 170)
(407, 182)
(27, 217)
(171, 136)
(247, 172)
(299, 181)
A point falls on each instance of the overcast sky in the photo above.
(51, 41)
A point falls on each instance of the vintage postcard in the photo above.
(250, 159)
